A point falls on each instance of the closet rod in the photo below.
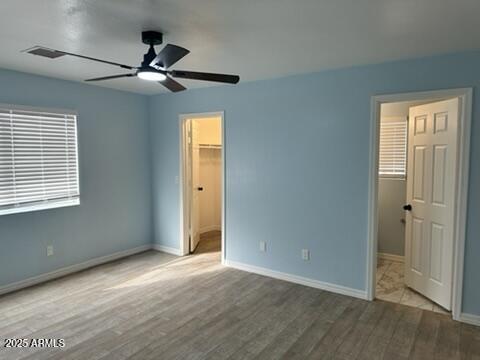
(210, 146)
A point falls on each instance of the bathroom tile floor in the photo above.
(391, 287)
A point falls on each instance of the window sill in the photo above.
(42, 206)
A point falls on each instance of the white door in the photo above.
(195, 185)
(431, 174)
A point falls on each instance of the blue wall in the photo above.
(297, 154)
(297, 170)
(115, 210)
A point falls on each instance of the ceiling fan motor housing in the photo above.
(152, 37)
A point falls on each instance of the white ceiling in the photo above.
(256, 39)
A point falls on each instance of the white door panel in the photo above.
(431, 169)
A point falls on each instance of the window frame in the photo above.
(17, 209)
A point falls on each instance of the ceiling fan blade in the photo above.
(168, 56)
(110, 77)
(223, 78)
(172, 85)
(123, 66)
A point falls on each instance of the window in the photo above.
(38, 160)
(393, 147)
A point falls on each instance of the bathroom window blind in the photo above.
(393, 148)
(38, 160)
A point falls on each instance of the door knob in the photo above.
(200, 188)
(407, 207)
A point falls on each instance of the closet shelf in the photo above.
(210, 146)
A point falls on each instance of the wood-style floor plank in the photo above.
(157, 306)
(402, 340)
(448, 341)
(426, 337)
(377, 343)
(329, 311)
(338, 333)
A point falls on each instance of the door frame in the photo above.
(461, 191)
(183, 187)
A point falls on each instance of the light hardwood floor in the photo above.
(156, 306)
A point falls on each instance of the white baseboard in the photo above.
(167, 249)
(470, 319)
(391, 257)
(210, 228)
(361, 294)
(71, 269)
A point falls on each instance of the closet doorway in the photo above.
(202, 183)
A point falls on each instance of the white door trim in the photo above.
(461, 192)
(184, 195)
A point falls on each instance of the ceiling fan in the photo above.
(154, 67)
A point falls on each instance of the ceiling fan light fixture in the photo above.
(151, 75)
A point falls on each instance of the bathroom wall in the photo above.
(391, 225)
(391, 197)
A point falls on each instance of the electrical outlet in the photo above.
(305, 254)
(49, 250)
(263, 246)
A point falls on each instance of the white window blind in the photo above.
(393, 148)
(38, 160)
